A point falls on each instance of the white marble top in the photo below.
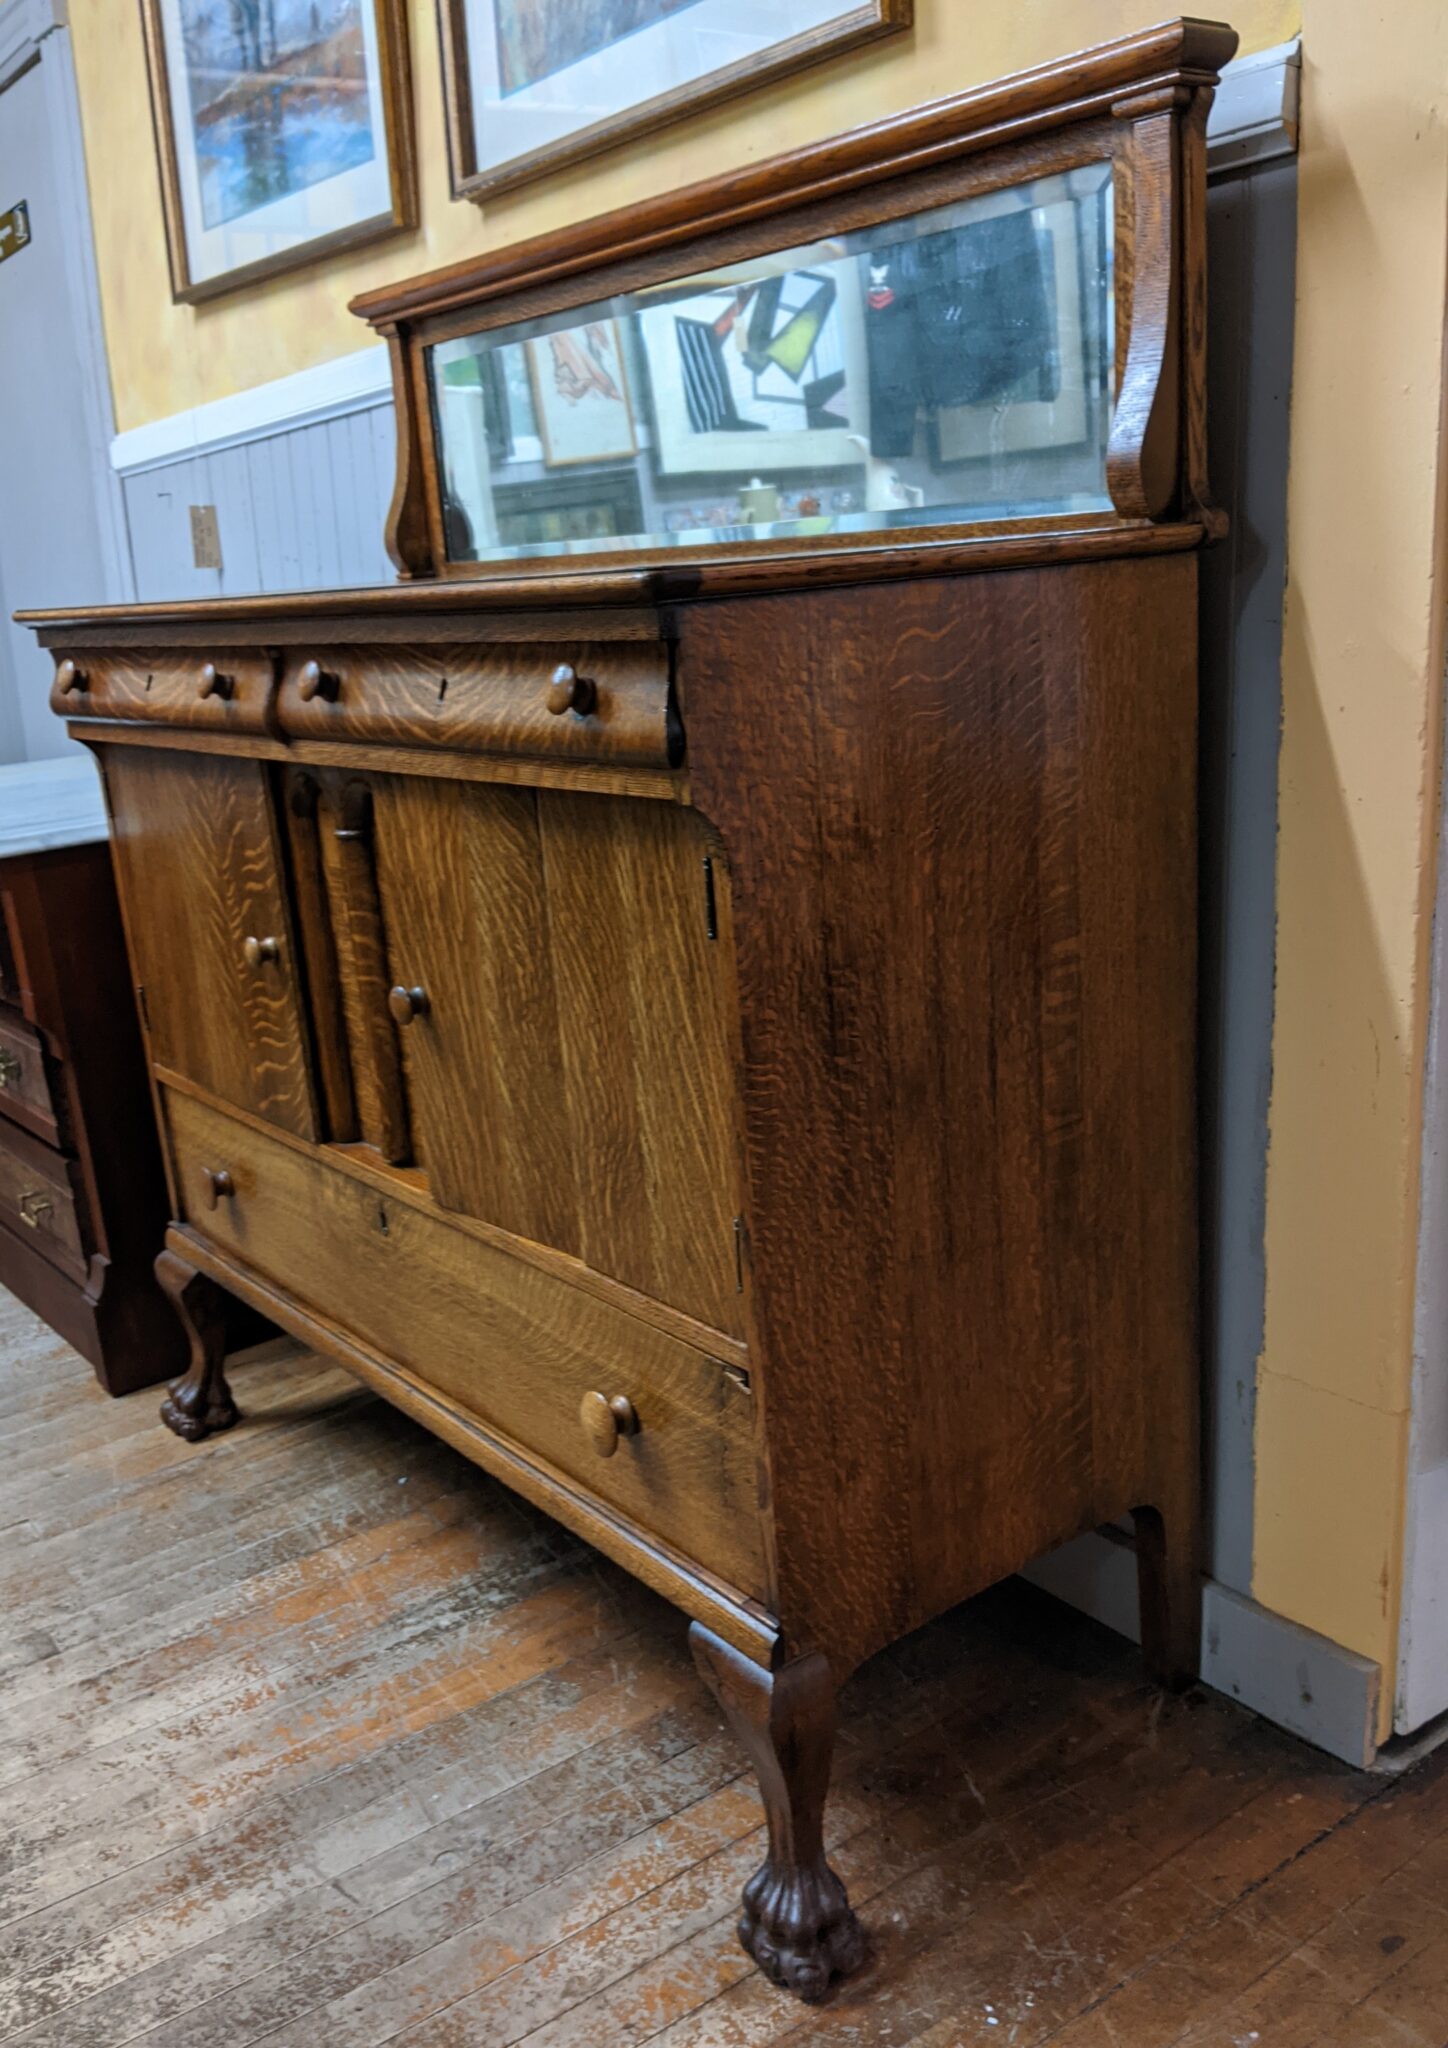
(50, 803)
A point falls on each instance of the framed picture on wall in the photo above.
(283, 129)
(533, 84)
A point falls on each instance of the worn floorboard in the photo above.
(313, 1736)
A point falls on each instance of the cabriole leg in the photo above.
(1168, 1565)
(201, 1403)
(797, 1923)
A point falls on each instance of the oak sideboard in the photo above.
(691, 993)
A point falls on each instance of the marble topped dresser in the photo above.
(83, 1206)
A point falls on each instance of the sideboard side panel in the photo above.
(960, 816)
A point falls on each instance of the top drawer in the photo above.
(219, 691)
(605, 702)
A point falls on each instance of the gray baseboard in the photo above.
(1304, 1683)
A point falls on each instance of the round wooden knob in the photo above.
(605, 1421)
(257, 952)
(69, 677)
(219, 1185)
(316, 681)
(406, 1003)
(569, 691)
(213, 683)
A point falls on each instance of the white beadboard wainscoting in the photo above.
(299, 506)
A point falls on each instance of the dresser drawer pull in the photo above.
(407, 1003)
(71, 678)
(219, 1185)
(316, 681)
(214, 683)
(257, 952)
(605, 1421)
(569, 691)
(11, 1067)
(34, 1205)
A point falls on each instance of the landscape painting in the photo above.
(279, 98)
(282, 130)
(538, 37)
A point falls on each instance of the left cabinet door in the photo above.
(211, 939)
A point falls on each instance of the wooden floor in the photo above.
(311, 1735)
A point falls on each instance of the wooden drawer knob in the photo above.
(315, 681)
(257, 952)
(219, 1185)
(605, 1421)
(406, 1003)
(70, 677)
(214, 683)
(569, 691)
(11, 1067)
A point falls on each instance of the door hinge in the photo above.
(711, 900)
(738, 1254)
(143, 1006)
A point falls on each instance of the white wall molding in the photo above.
(326, 391)
(1303, 1682)
(1254, 115)
(1254, 110)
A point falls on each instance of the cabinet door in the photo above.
(638, 919)
(200, 873)
(570, 1077)
(461, 877)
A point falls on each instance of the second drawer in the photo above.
(511, 1345)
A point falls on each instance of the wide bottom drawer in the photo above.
(515, 1347)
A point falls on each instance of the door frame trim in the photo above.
(31, 32)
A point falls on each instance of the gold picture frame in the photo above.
(378, 192)
(476, 176)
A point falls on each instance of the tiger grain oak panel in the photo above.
(218, 689)
(513, 1347)
(961, 822)
(642, 952)
(461, 871)
(489, 699)
(199, 866)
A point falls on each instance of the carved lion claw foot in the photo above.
(195, 1410)
(800, 1930)
(199, 1405)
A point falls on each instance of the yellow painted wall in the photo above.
(166, 358)
(1362, 673)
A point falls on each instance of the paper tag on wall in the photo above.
(205, 537)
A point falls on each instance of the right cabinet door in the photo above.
(570, 1068)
